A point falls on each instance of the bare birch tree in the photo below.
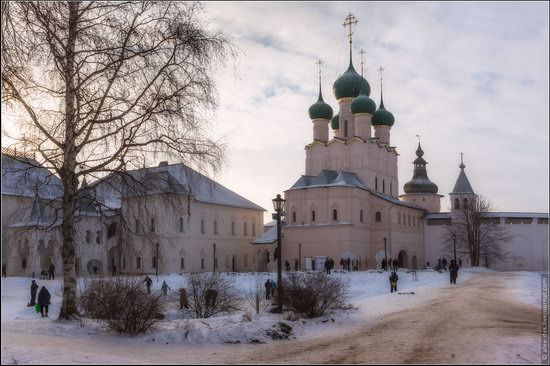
(477, 233)
(107, 86)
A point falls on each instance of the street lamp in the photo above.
(157, 264)
(454, 245)
(278, 205)
(385, 255)
(214, 265)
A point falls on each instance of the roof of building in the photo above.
(462, 184)
(22, 176)
(320, 109)
(447, 215)
(420, 183)
(349, 84)
(174, 178)
(269, 236)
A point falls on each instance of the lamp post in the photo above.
(454, 245)
(300, 256)
(385, 255)
(278, 205)
(214, 264)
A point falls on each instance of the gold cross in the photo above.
(350, 20)
(461, 160)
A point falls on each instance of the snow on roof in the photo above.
(269, 236)
(23, 176)
(447, 215)
(175, 178)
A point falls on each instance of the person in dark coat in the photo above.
(384, 264)
(331, 263)
(267, 289)
(148, 282)
(52, 272)
(34, 287)
(393, 281)
(348, 264)
(4, 269)
(395, 264)
(184, 303)
(444, 263)
(44, 300)
(327, 266)
(287, 266)
(453, 271)
(296, 264)
(164, 288)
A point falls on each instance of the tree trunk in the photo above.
(68, 175)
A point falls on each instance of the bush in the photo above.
(210, 294)
(255, 296)
(312, 294)
(122, 303)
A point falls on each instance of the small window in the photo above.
(378, 216)
(138, 262)
(345, 128)
(152, 225)
(215, 227)
(245, 229)
(335, 215)
(137, 227)
(181, 225)
(88, 236)
(202, 263)
(98, 237)
(123, 262)
(232, 228)
(253, 229)
(313, 216)
(391, 189)
(361, 215)
(202, 226)
(154, 262)
(383, 186)
(182, 263)
(409, 219)
(24, 263)
(294, 216)
(376, 183)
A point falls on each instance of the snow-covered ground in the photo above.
(368, 294)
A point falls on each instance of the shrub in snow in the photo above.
(312, 294)
(122, 303)
(255, 296)
(210, 294)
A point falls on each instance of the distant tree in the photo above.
(476, 232)
(105, 86)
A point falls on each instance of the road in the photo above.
(473, 322)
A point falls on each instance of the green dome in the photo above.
(363, 104)
(382, 116)
(320, 109)
(349, 84)
(335, 122)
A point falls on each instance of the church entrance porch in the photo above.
(403, 259)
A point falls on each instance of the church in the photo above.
(347, 204)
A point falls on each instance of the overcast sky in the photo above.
(467, 77)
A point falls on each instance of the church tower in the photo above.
(320, 114)
(462, 192)
(382, 120)
(420, 190)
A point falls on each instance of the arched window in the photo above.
(233, 228)
(253, 229)
(378, 216)
(313, 215)
(391, 189)
(346, 128)
(465, 201)
(293, 216)
(215, 227)
(245, 228)
(457, 204)
(361, 215)
(376, 183)
(335, 214)
(88, 236)
(181, 225)
(152, 225)
(202, 226)
(182, 263)
(383, 186)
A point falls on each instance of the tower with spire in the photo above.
(320, 114)
(462, 192)
(420, 190)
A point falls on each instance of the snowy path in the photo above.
(477, 321)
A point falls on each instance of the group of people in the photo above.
(453, 272)
(270, 288)
(392, 265)
(41, 304)
(49, 274)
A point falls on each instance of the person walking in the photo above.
(384, 264)
(348, 264)
(52, 272)
(4, 269)
(44, 301)
(164, 288)
(267, 289)
(331, 263)
(438, 264)
(34, 287)
(327, 266)
(287, 266)
(296, 264)
(273, 287)
(393, 281)
(453, 271)
(148, 282)
(395, 264)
